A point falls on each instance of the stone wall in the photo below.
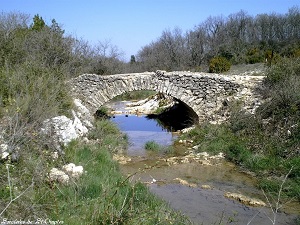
(205, 93)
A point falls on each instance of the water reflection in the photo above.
(141, 129)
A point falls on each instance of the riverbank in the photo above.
(103, 195)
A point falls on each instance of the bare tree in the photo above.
(196, 47)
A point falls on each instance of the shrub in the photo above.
(283, 81)
(152, 146)
(282, 70)
(219, 64)
(102, 113)
(254, 56)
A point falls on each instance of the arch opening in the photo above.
(177, 117)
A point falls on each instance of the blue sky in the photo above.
(131, 24)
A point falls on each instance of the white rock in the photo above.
(63, 129)
(81, 108)
(3, 147)
(4, 155)
(77, 171)
(80, 129)
(69, 167)
(196, 147)
(60, 128)
(3, 151)
(83, 113)
(73, 170)
(64, 179)
(58, 175)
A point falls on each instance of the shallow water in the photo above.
(202, 206)
(139, 130)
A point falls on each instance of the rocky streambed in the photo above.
(207, 189)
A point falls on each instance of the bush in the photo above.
(283, 70)
(254, 56)
(283, 81)
(219, 65)
(102, 113)
(152, 146)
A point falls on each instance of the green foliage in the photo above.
(132, 59)
(271, 57)
(56, 28)
(292, 50)
(283, 70)
(134, 95)
(152, 146)
(254, 56)
(102, 113)
(283, 79)
(109, 130)
(36, 93)
(38, 23)
(219, 64)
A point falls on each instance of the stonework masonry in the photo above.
(205, 93)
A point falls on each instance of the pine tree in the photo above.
(132, 59)
(38, 23)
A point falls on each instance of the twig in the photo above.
(123, 205)
(10, 191)
(250, 221)
(280, 190)
(273, 222)
(277, 203)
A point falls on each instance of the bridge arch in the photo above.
(203, 93)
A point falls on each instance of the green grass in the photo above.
(153, 146)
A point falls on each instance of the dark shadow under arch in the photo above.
(177, 117)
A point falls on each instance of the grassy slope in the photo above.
(101, 196)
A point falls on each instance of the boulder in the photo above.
(63, 130)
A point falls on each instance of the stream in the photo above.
(194, 184)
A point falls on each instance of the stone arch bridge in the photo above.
(204, 93)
